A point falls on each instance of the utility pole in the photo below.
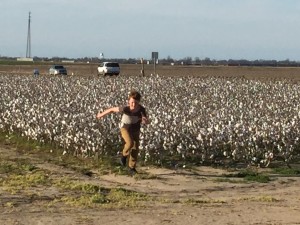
(154, 58)
(28, 48)
(142, 70)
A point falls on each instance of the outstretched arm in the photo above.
(107, 111)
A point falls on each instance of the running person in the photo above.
(133, 115)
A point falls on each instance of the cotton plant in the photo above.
(210, 119)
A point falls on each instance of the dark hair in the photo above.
(135, 95)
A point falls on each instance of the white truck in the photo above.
(109, 68)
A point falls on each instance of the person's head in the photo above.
(134, 98)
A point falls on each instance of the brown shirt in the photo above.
(132, 120)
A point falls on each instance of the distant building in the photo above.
(25, 59)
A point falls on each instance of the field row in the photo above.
(210, 120)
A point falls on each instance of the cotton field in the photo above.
(208, 119)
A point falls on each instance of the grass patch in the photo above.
(16, 63)
(287, 171)
(203, 201)
(126, 197)
(54, 154)
(89, 195)
(260, 199)
(249, 176)
(22, 176)
(260, 178)
(8, 167)
(109, 165)
(19, 166)
(15, 183)
(102, 165)
(84, 201)
(242, 174)
(70, 185)
(20, 142)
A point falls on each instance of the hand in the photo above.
(145, 120)
(98, 116)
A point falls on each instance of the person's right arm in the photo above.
(107, 111)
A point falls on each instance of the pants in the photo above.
(131, 147)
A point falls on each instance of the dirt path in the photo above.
(195, 196)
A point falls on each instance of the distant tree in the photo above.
(188, 60)
(197, 61)
(166, 61)
(222, 62)
(169, 59)
(206, 61)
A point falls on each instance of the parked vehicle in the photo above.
(57, 70)
(109, 68)
(36, 72)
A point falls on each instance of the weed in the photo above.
(260, 178)
(287, 171)
(123, 195)
(68, 184)
(18, 166)
(242, 174)
(6, 167)
(85, 200)
(91, 195)
(203, 201)
(15, 182)
(250, 175)
(261, 199)
(9, 204)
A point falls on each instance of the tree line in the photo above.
(170, 61)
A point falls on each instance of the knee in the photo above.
(129, 144)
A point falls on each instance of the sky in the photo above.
(215, 29)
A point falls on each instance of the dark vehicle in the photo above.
(57, 70)
(36, 72)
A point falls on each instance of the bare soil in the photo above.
(85, 69)
(182, 196)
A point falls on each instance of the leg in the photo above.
(135, 149)
(128, 142)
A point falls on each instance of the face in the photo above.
(133, 104)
